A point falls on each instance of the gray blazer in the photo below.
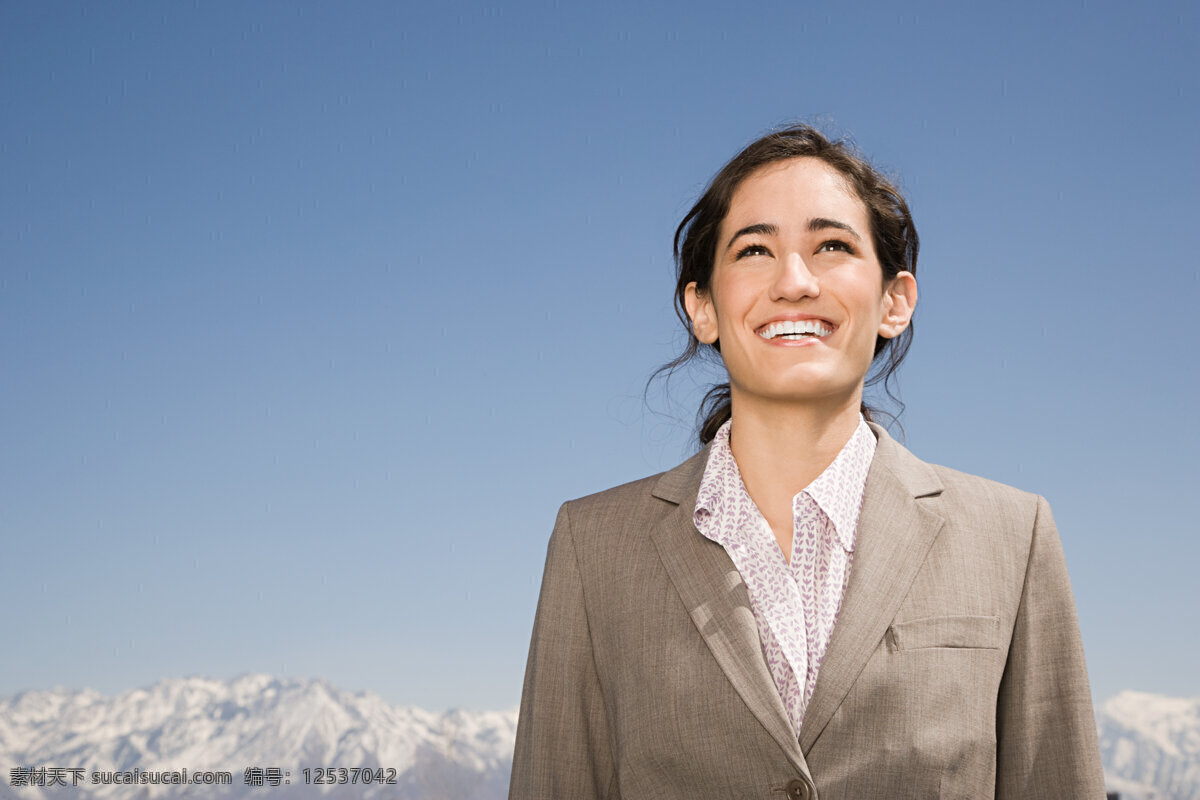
(955, 669)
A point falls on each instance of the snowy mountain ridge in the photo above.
(1150, 744)
(255, 721)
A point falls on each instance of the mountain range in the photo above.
(1150, 746)
(257, 723)
(279, 739)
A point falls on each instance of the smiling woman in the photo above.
(804, 607)
(795, 258)
(887, 232)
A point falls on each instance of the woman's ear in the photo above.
(701, 312)
(899, 302)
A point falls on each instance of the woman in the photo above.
(804, 608)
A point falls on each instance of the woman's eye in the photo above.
(834, 245)
(753, 250)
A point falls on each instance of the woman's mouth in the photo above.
(792, 330)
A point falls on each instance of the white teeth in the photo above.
(796, 328)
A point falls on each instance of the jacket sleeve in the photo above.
(1046, 744)
(562, 748)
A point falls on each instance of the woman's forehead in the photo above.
(800, 186)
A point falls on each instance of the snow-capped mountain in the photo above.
(1150, 745)
(256, 722)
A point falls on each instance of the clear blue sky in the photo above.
(311, 314)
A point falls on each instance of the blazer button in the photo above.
(797, 790)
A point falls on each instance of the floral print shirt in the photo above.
(795, 604)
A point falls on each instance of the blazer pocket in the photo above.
(956, 632)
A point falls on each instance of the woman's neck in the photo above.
(782, 448)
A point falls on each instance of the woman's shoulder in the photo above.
(637, 501)
(950, 485)
(977, 487)
(979, 520)
(995, 515)
(616, 497)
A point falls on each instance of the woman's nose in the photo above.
(794, 280)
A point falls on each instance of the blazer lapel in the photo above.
(719, 604)
(895, 532)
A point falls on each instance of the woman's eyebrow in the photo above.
(760, 228)
(821, 223)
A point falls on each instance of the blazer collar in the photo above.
(895, 533)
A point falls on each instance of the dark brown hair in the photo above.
(892, 232)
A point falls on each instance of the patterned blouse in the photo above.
(796, 604)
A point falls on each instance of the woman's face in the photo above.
(797, 294)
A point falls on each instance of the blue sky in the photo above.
(311, 314)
